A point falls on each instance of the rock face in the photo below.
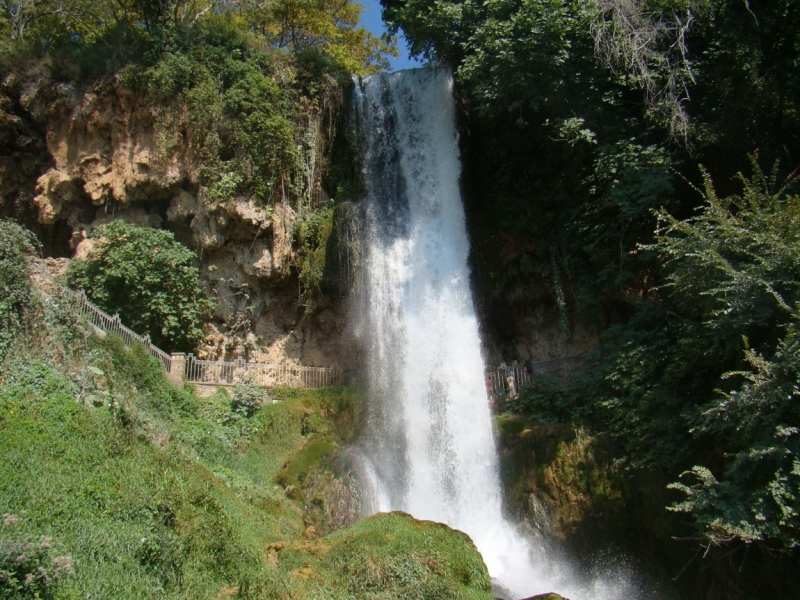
(102, 157)
(562, 486)
(104, 148)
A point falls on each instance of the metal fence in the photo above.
(213, 372)
(525, 374)
(109, 324)
(218, 372)
(522, 378)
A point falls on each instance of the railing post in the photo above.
(176, 369)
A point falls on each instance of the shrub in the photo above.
(28, 566)
(15, 286)
(246, 399)
(312, 236)
(148, 278)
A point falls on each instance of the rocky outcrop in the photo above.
(552, 478)
(105, 147)
(107, 157)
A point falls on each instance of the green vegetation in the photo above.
(28, 566)
(251, 91)
(137, 511)
(15, 286)
(384, 557)
(709, 371)
(561, 470)
(312, 235)
(247, 398)
(587, 122)
(83, 28)
(149, 279)
(246, 84)
(116, 484)
(733, 279)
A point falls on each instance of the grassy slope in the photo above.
(158, 494)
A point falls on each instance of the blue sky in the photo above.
(371, 20)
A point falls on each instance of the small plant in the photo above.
(160, 553)
(29, 566)
(247, 399)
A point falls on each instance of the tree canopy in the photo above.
(329, 27)
(587, 121)
(148, 278)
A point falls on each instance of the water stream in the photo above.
(429, 449)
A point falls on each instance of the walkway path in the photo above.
(181, 367)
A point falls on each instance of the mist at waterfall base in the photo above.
(429, 449)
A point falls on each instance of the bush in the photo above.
(246, 399)
(148, 278)
(15, 285)
(28, 566)
(312, 236)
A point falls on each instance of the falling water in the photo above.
(430, 450)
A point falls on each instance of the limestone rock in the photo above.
(182, 206)
(248, 211)
(84, 248)
(134, 215)
(206, 232)
(54, 189)
(104, 147)
(256, 261)
(89, 157)
(283, 219)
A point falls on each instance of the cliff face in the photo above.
(73, 160)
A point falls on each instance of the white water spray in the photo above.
(430, 450)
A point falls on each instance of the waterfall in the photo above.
(429, 448)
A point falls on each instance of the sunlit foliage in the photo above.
(149, 279)
(329, 27)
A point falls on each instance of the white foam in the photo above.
(430, 444)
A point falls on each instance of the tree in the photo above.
(645, 42)
(330, 27)
(148, 278)
(734, 270)
(706, 378)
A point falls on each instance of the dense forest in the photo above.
(643, 156)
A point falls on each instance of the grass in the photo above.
(141, 515)
(384, 557)
(155, 493)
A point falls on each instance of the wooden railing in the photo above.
(500, 382)
(210, 372)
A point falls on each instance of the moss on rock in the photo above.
(386, 556)
(554, 477)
